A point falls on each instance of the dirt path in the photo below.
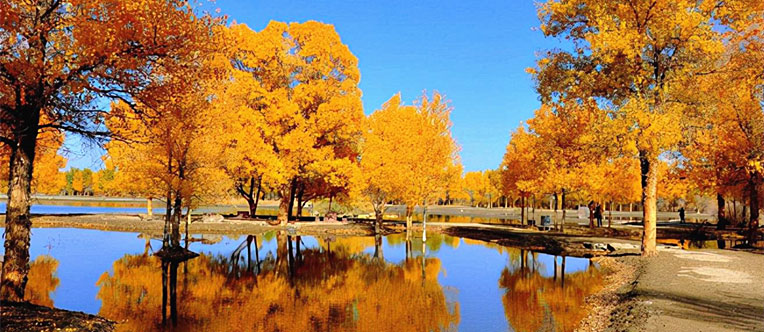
(708, 290)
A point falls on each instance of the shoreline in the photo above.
(576, 241)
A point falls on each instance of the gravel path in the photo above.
(708, 290)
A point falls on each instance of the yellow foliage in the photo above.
(353, 293)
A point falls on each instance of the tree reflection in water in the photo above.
(533, 302)
(42, 281)
(335, 286)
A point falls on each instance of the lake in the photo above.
(275, 281)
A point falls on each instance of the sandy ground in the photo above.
(680, 290)
(709, 290)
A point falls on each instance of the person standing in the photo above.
(681, 215)
(591, 207)
(598, 214)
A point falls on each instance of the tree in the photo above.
(57, 60)
(305, 103)
(726, 158)
(520, 168)
(482, 186)
(384, 148)
(635, 57)
(473, 186)
(179, 153)
(431, 155)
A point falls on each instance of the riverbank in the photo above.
(576, 241)
(26, 317)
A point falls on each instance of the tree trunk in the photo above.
(424, 224)
(177, 215)
(522, 210)
(556, 203)
(721, 219)
(248, 195)
(300, 203)
(292, 189)
(17, 223)
(283, 215)
(649, 170)
(378, 247)
(167, 216)
(378, 219)
(562, 206)
(753, 198)
(409, 223)
(149, 210)
(253, 208)
(610, 215)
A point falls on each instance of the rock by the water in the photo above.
(212, 218)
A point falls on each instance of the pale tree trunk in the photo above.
(290, 208)
(168, 202)
(648, 166)
(562, 206)
(377, 220)
(149, 208)
(283, 215)
(300, 202)
(177, 215)
(17, 219)
(409, 223)
(424, 222)
(379, 210)
(610, 215)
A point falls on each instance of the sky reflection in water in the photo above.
(466, 284)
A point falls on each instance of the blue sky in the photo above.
(474, 52)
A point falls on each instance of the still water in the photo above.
(273, 281)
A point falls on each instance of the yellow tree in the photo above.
(385, 147)
(430, 155)
(304, 93)
(727, 158)
(177, 155)
(482, 187)
(473, 184)
(635, 57)
(57, 60)
(521, 169)
(613, 180)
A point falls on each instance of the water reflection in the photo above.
(42, 281)
(277, 281)
(333, 286)
(534, 302)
